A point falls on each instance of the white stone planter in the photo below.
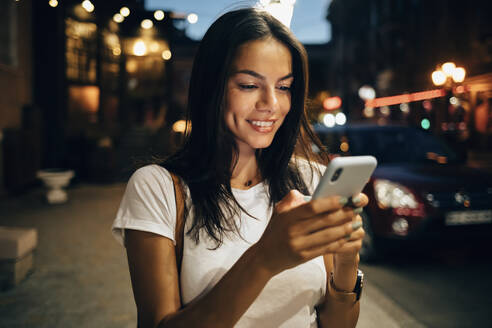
(55, 180)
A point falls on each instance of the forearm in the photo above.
(335, 313)
(229, 298)
(345, 273)
(340, 309)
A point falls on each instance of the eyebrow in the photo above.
(259, 76)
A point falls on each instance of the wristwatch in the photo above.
(359, 284)
(345, 296)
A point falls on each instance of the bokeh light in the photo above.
(139, 48)
(118, 18)
(438, 77)
(425, 124)
(146, 24)
(385, 110)
(459, 74)
(329, 120)
(125, 11)
(166, 54)
(448, 68)
(192, 18)
(88, 6)
(159, 15)
(340, 118)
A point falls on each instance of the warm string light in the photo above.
(166, 54)
(88, 6)
(146, 24)
(140, 48)
(118, 18)
(159, 15)
(53, 3)
(124, 11)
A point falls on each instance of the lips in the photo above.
(262, 126)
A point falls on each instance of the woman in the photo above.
(256, 253)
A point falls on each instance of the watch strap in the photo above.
(344, 296)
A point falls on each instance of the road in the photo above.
(445, 288)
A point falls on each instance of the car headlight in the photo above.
(393, 195)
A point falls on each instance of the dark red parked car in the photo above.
(420, 194)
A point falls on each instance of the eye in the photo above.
(285, 87)
(247, 86)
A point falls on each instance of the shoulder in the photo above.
(148, 204)
(151, 174)
(150, 183)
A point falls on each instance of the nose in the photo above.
(268, 100)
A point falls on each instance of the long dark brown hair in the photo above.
(209, 152)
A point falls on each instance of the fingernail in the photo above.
(356, 225)
(307, 198)
(356, 199)
(358, 210)
(343, 200)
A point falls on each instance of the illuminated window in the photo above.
(81, 51)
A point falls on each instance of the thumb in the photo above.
(293, 199)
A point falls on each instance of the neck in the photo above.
(245, 174)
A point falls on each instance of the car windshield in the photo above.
(389, 145)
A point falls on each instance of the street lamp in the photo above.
(447, 74)
(449, 117)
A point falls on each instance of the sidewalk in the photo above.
(81, 276)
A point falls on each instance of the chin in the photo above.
(261, 144)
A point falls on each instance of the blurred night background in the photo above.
(88, 88)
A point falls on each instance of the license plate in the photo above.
(468, 217)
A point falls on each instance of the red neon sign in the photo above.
(406, 98)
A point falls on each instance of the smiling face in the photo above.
(258, 93)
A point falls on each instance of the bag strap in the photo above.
(179, 230)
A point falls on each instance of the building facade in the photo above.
(77, 77)
(395, 45)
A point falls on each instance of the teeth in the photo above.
(262, 123)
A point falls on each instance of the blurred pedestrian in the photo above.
(255, 252)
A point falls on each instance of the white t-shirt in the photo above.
(288, 299)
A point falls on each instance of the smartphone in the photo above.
(345, 176)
